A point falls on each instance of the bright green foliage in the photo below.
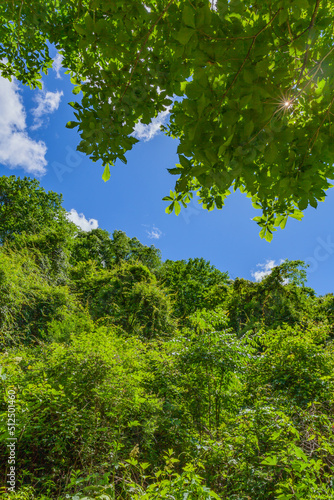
(129, 296)
(26, 207)
(27, 300)
(281, 297)
(80, 403)
(94, 245)
(33, 221)
(255, 81)
(294, 363)
(50, 250)
(211, 360)
(267, 451)
(97, 245)
(169, 484)
(194, 285)
(324, 310)
(130, 249)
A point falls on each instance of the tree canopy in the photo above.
(26, 207)
(98, 246)
(249, 86)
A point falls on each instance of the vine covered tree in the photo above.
(254, 82)
(26, 207)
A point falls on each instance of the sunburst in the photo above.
(284, 104)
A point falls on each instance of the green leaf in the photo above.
(75, 105)
(194, 91)
(249, 76)
(169, 209)
(268, 236)
(79, 29)
(106, 173)
(283, 223)
(313, 202)
(262, 232)
(134, 423)
(174, 171)
(201, 105)
(188, 16)
(229, 140)
(183, 86)
(282, 16)
(303, 203)
(89, 23)
(303, 4)
(261, 68)
(248, 129)
(184, 162)
(270, 461)
(183, 36)
(72, 124)
(76, 90)
(270, 153)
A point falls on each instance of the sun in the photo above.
(284, 104)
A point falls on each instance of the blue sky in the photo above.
(35, 142)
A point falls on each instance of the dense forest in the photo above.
(127, 377)
(138, 378)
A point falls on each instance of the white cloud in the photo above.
(266, 269)
(47, 102)
(147, 132)
(154, 234)
(214, 5)
(81, 221)
(17, 149)
(57, 64)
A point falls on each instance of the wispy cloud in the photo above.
(57, 64)
(81, 221)
(265, 269)
(47, 103)
(17, 149)
(147, 132)
(154, 233)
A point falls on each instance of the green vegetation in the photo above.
(141, 379)
(249, 83)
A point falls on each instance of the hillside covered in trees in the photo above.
(137, 378)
